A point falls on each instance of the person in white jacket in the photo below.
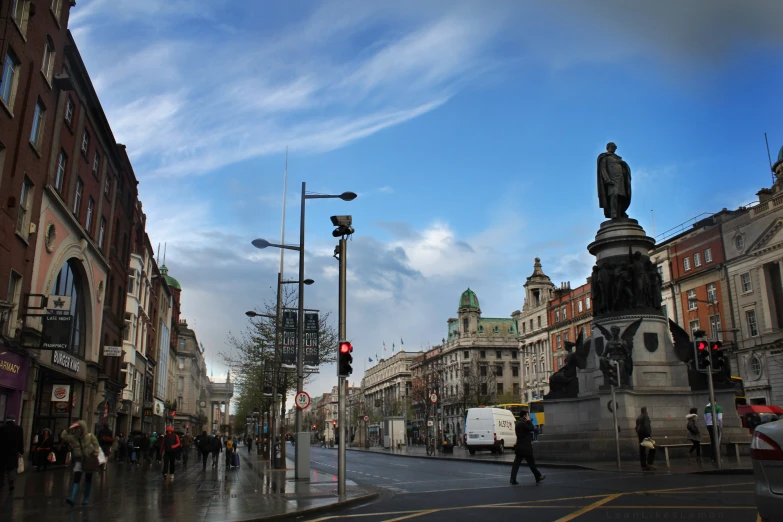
(715, 430)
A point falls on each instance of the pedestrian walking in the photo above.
(169, 448)
(523, 449)
(11, 450)
(646, 447)
(694, 435)
(229, 451)
(43, 449)
(715, 429)
(84, 457)
(187, 443)
(106, 438)
(202, 446)
(249, 444)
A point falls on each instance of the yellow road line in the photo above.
(690, 488)
(414, 515)
(678, 507)
(589, 508)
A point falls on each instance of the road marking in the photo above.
(587, 509)
(678, 507)
(420, 513)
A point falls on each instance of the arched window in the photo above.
(69, 283)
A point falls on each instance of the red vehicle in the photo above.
(753, 415)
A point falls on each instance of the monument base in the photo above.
(582, 429)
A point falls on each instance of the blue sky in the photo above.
(470, 131)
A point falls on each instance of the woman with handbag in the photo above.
(43, 449)
(85, 452)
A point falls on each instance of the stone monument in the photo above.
(629, 327)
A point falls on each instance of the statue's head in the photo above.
(615, 331)
(611, 147)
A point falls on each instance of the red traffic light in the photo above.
(716, 345)
(313, 426)
(702, 345)
(345, 347)
(334, 423)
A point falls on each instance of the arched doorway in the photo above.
(69, 282)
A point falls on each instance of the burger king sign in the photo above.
(61, 392)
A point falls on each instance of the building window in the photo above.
(498, 354)
(531, 325)
(62, 165)
(77, 200)
(36, 131)
(686, 263)
(179, 403)
(715, 328)
(499, 370)
(182, 344)
(694, 325)
(483, 370)
(755, 366)
(496, 329)
(481, 329)
(181, 363)
(539, 322)
(465, 325)
(692, 303)
(524, 325)
(56, 4)
(557, 316)
(747, 286)
(96, 164)
(69, 111)
(128, 327)
(69, 282)
(107, 187)
(750, 317)
(696, 259)
(9, 79)
(88, 221)
(739, 242)
(515, 371)
(513, 354)
(131, 281)
(25, 205)
(565, 315)
(14, 296)
(579, 306)
(712, 293)
(483, 354)
(664, 311)
(21, 14)
(47, 68)
(557, 341)
(515, 387)
(101, 232)
(137, 388)
(466, 354)
(180, 384)
(708, 256)
(85, 142)
(500, 388)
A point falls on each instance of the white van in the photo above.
(489, 429)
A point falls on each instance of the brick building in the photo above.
(570, 312)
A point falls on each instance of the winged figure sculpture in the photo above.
(618, 347)
(683, 345)
(564, 382)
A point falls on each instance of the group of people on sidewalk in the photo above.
(693, 434)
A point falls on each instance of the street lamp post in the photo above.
(301, 471)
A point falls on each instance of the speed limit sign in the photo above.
(434, 398)
(302, 400)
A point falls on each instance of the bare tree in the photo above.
(479, 384)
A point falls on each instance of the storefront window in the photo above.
(69, 283)
(59, 404)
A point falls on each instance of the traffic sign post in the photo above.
(434, 398)
(302, 400)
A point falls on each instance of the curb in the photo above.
(555, 465)
(340, 504)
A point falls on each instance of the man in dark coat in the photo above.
(644, 430)
(11, 448)
(524, 449)
(203, 446)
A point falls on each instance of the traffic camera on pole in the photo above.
(701, 348)
(344, 359)
(343, 224)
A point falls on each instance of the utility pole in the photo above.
(301, 472)
(715, 425)
(616, 365)
(341, 381)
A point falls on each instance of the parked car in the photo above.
(767, 456)
(489, 429)
(753, 415)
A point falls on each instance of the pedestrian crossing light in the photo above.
(344, 359)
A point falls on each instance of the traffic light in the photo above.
(344, 359)
(701, 348)
(334, 424)
(314, 426)
(614, 378)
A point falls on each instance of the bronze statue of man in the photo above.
(614, 183)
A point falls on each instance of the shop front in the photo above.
(60, 394)
(13, 380)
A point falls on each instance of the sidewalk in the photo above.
(730, 464)
(125, 493)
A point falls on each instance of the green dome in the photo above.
(173, 283)
(468, 300)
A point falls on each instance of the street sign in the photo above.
(366, 418)
(433, 398)
(302, 400)
(112, 351)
